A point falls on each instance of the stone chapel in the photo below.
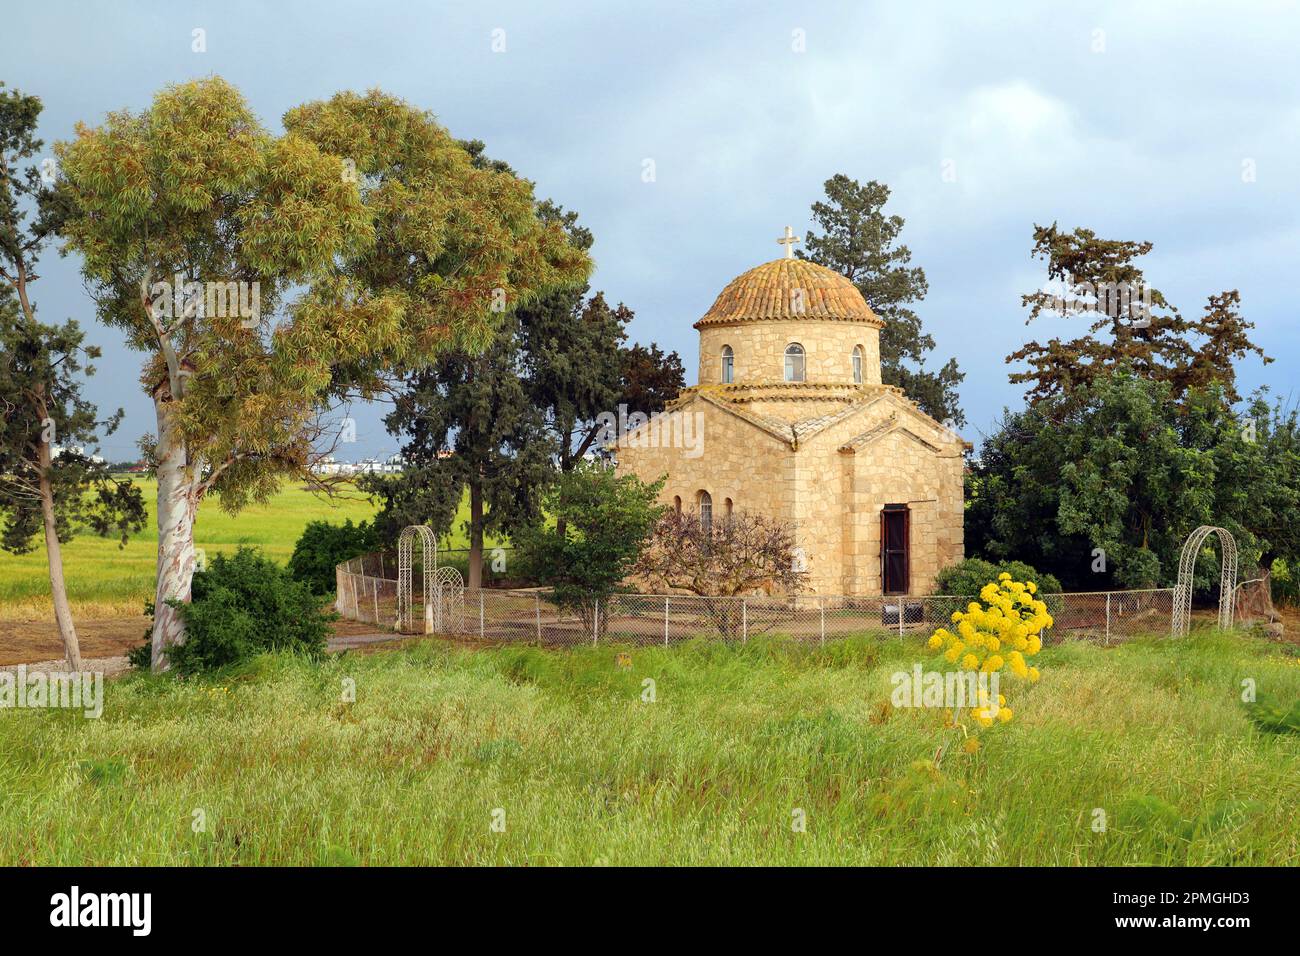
(793, 422)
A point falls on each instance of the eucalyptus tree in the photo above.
(267, 277)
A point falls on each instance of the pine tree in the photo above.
(41, 377)
(471, 431)
(1132, 324)
(861, 243)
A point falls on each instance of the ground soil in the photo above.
(31, 642)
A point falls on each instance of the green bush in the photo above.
(966, 578)
(1285, 583)
(322, 546)
(244, 605)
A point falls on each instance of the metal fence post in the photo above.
(665, 622)
(595, 624)
(375, 583)
(744, 621)
(480, 614)
(1107, 617)
(900, 615)
(821, 603)
(538, 604)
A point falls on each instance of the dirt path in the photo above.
(106, 640)
(26, 642)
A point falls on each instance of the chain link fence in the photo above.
(367, 592)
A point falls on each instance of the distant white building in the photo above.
(329, 465)
(326, 465)
(58, 450)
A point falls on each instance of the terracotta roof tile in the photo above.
(789, 289)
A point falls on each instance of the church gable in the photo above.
(908, 420)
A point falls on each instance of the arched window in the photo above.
(726, 511)
(794, 362)
(728, 365)
(857, 364)
(706, 512)
(677, 503)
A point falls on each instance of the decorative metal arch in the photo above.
(429, 564)
(448, 601)
(1227, 577)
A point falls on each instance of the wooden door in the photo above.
(894, 535)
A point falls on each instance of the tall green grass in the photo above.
(712, 772)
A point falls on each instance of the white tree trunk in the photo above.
(177, 505)
(54, 558)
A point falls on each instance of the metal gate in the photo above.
(448, 605)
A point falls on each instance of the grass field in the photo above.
(105, 580)
(712, 771)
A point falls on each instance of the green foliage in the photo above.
(372, 239)
(243, 605)
(495, 423)
(967, 578)
(576, 364)
(43, 370)
(859, 241)
(195, 187)
(1284, 584)
(322, 546)
(41, 378)
(1117, 467)
(475, 406)
(606, 521)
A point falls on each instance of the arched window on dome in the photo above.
(857, 364)
(728, 365)
(794, 364)
(706, 511)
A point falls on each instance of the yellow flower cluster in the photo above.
(985, 715)
(998, 634)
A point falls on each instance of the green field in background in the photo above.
(104, 578)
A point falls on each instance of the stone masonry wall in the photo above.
(739, 461)
(759, 349)
(832, 497)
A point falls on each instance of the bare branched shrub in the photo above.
(727, 556)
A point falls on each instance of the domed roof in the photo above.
(789, 289)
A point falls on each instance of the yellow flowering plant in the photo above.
(994, 637)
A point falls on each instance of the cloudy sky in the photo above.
(1136, 120)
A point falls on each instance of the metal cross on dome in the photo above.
(789, 241)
